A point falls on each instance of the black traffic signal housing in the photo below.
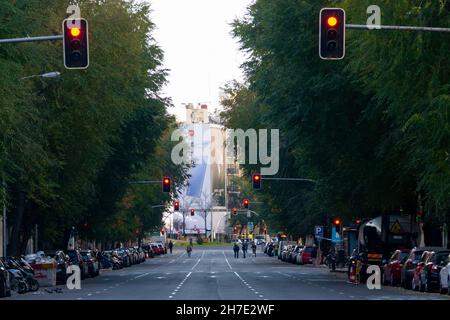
(235, 211)
(76, 43)
(332, 34)
(166, 182)
(176, 206)
(192, 212)
(256, 179)
(246, 203)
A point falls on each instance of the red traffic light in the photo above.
(192, 212)
(75, 32)
(76, 43)
(235, 211)
(332, 21)
(256, 178)
(166, 184)
(358, 221)
(337, 222)
(246, 202)
(176, 206)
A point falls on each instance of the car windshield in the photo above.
(441, 257)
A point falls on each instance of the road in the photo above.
(212, 273)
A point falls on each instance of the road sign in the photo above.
(319, 231)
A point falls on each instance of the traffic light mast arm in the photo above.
(290, 179)
(31, 39)
(399, 28)
(145, 182)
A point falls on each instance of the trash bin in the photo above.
(45, 273)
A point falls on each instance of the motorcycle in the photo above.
(26, 271)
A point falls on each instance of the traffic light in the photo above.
(419, 216)
(256, 178)
(337, 222)
(235, 211)
(246, 203)
(176, 206)
(192, 212)
(166, 184)
(332, 34)
(76, 43)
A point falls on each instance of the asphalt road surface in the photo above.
(212, 273)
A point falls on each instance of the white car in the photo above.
(445, 277)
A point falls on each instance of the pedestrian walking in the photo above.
(244, 248)
(189, 250)
(254, 248)
(236, 250)
(170, 246)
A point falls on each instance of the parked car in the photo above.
(445, 277)
(5, 283)
(307, 254)
(293, 255)
(75, 258)
(392, 270)
(124, 257)
(409, 267)
(416, 284)
(93, 265)
(430, 273)
(62, 262)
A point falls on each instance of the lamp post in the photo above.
(48, 75)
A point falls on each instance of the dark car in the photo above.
(409, 267)
(75, 258)
(62, 262)
(393, 268)
(93, 265)
(430, 273)
(5, 285)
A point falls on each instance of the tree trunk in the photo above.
(14, 247)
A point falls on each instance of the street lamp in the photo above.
(48, 75)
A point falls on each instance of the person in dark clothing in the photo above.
(244, 248)
(170, 246)
(236, 250)
(254, 248)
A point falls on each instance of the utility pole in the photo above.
(5, 229)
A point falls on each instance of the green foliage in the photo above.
(372, 130)
(71, 145)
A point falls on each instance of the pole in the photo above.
(5, 229)
(398, 28)
(184, 224)
(289, 179)
(31, 39)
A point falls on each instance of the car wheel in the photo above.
(413, 285)
(441, 288)
(3, 290)
(391, 280)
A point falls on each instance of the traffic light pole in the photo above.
(32, 39)
(398, 28)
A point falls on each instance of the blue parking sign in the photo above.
(319, 231)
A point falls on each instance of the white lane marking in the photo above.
(89, 294)
(248, 286)
(142, 275)
(198, 261)
(171, 261)
(227, 260)
(175, 291)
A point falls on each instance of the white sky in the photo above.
(199, 49)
